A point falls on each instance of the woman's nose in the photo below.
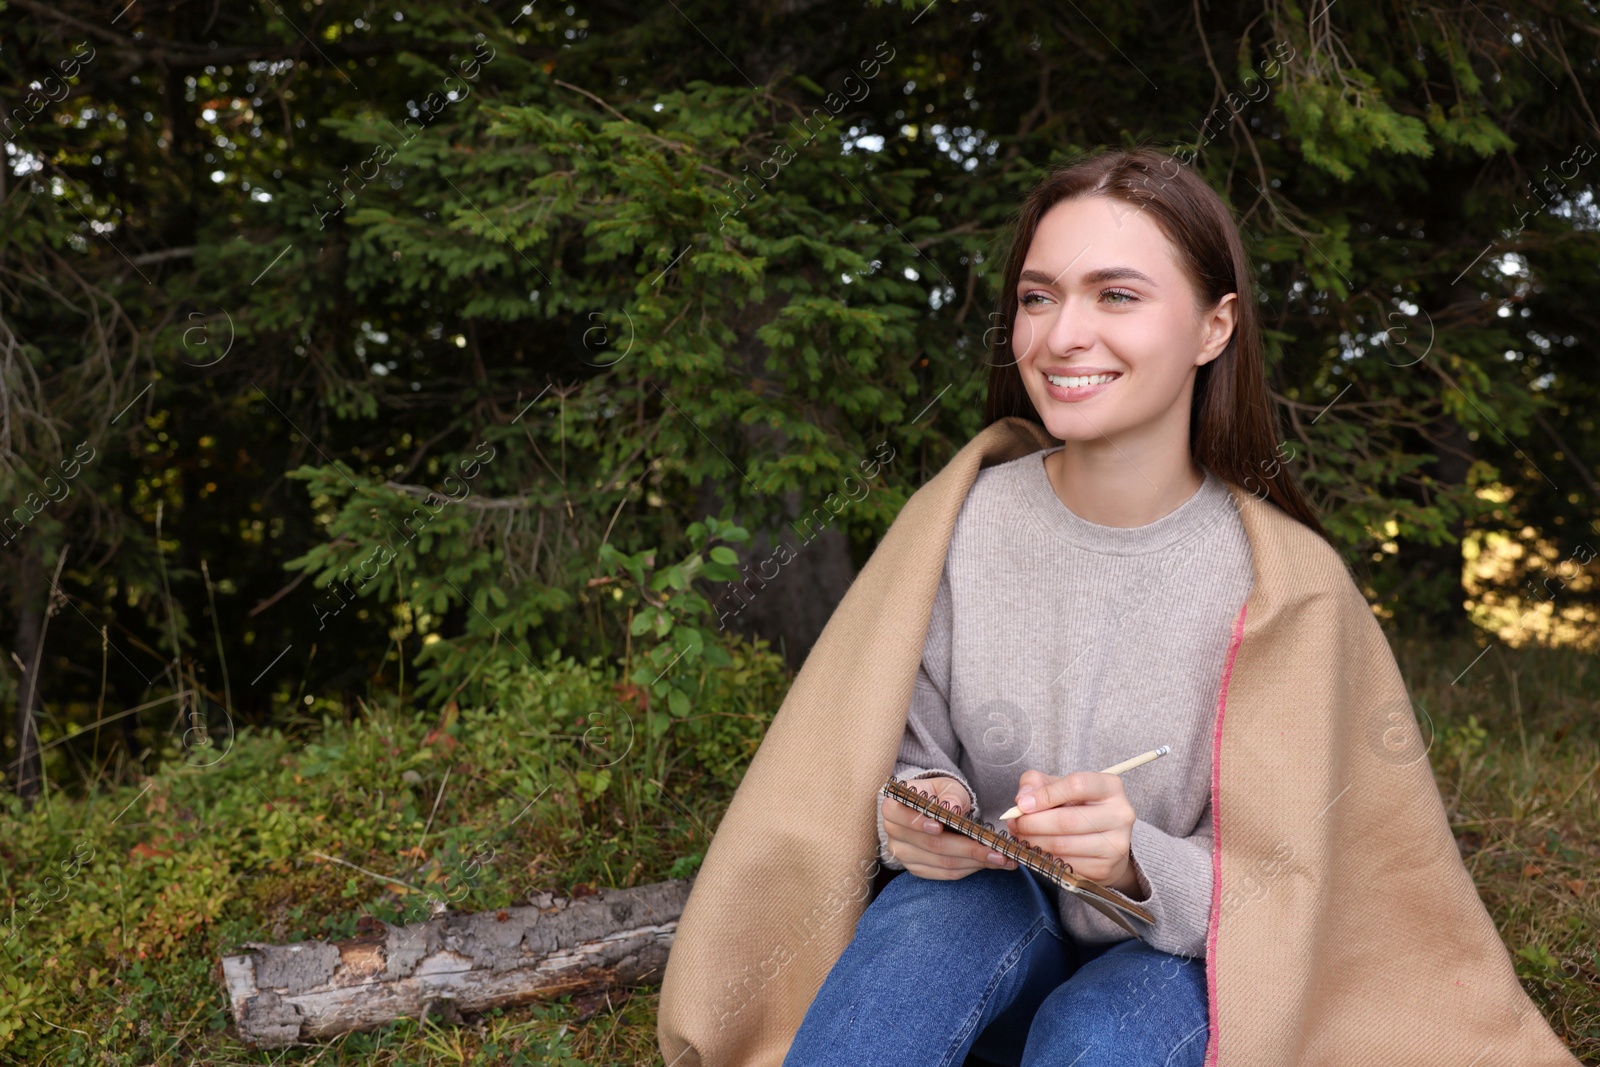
(1069, 330)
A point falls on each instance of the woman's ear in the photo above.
(1216, 327)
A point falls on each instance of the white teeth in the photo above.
(1072, 383)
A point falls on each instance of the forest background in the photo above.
(398, 388)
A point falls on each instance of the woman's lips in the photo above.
(1078, 392)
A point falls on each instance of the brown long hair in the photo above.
(1233, 427)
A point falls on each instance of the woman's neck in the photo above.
(1103, 484)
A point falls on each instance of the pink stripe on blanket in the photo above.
(1216, 841)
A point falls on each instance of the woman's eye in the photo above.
(1030, 299)
(1122, 293)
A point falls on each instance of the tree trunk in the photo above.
(29, 603)
(314, 990)
(792, 608)
(1428, 597)
(771, 598)
(785, 595)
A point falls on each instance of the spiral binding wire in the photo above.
(1053, 868)
(1036, 858)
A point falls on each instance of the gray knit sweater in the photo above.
(1058, 644)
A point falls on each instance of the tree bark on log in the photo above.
(314, 990)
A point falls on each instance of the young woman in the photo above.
(1084, 615)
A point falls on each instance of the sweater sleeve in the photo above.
(1174, 885)
(929, 747)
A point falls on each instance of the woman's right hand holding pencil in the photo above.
(924, 845)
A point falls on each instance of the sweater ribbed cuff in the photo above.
(1174, 877)
(906, 774)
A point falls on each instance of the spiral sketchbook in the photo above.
(1051, 868)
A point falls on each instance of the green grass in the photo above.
(118, 965)
(1516, 753)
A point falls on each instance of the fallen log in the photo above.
(313, 990)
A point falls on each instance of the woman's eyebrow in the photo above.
(1093, 277)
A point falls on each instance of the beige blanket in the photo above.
(1344, 928)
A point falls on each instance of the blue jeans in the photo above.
(980, 964)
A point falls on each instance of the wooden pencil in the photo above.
(1116, 768)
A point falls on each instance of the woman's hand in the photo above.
(1084, 818)
(926, 846)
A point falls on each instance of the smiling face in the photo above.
(1107, 337)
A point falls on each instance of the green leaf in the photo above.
(684, 866)
(593, 783)
(678, 702)
(1540, 957)
(724, 554)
